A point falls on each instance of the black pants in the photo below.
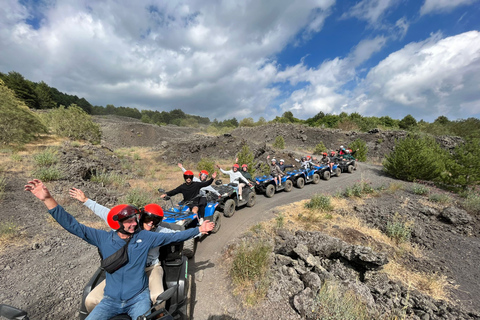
(201, 203)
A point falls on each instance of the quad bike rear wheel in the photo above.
(326, 175)
(288, 186)
(229, 208)
(350, 168)
(270, 191)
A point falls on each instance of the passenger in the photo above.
(245, 173)
(325, 160)
(283, 166)
(235, 177)
(127, 287)
(151, 217)
(276, 173)
(191, 193)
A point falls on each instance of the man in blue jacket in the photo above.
(126, 289)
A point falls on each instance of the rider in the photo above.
(283, 166)
(191, 193)
(235, 177)
(276, 173)
(325, 160)
(245, 172)
(202, 177)
(151, 217)
(126, 289)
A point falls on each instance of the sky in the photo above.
(223, 59)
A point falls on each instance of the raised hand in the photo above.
(214, 175)
(206, 227)
(39, 190)
(77, 194)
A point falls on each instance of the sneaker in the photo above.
(240, 198)
(225, 194)
(200, 222)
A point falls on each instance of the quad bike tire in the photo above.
(288, 186)
(216, 218)
(184, 312)
(229, 208)
(189, 248)
(316, 178)
(270, 191)
(326, 175)
(251, 199)
(300, 183)
(350, 168)
(338, 172)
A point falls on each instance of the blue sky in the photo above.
(226, 59)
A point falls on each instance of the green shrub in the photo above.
(279, 143)
(361, 149)
(245, 156)
(15, 157)
(3, 185)
(108, 178)
(18, 125)
(439, 198)
(319, 202)
(74, 123)
(320, 148)
(416, 157)
(472, 202)
(398, 229)
(462, 169)
(419, 189)
(47, 157)
(250, 262)
(265, 169)
(280, 220)
(206, 164)
(358, 190)
(335, 304)
(138, 197)
(50, 173)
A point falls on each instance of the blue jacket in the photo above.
(129, 280)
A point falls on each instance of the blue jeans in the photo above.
(108, 307)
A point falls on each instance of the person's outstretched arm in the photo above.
(98, 209)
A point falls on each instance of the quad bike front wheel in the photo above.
(229, 208)
(326, 175)
(350, 168)
(338, 172)
(251, 199)
(300, 183)
(216, 218)
(189, 248)
(270, 191)
(316, 178)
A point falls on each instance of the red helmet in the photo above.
(308, 157)
(153, 212)
(236, 165)
(120, 213)
(205, 172)
(332, 153)
(188, 174)
(325, 154)
(244, 166)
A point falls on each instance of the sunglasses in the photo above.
(188, 177)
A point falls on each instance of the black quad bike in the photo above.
(176, 282)
(229, 200)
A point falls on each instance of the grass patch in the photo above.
(109, 178)
(359, 190)
(280, 220)
(394, 187)
(47, 157)
(15, 157)
(472, 202)
(8, 230)
(138, 197)
(249, 270)
(439, 198)
(398, 229)
(419, 189)
(3, 185)
(46, 174)
(319, 202)
(334, 303)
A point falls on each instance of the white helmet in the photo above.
(281, 160)
(274, 160)
(341, 147)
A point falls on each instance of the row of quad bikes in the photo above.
(177, 280)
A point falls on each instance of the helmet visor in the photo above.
(188, 177)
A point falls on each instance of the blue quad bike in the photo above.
(266, 185)
(324, 171)
(176, 282)
(301, 177)
(229, 199)
(180, 214)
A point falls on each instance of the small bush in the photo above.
(472, 202)
(138, 198)
(108, 178)
(16, 157)
(398, 229)
(279, 143)
(419, 189)
(206, 164)
(280, 220)
(50, 173)
(245, 156)
(3, 185)
(335, 304)
(358, 190)
(320, 148)
(8, 229)
(360, 148)
(439, 198)
(47, 157)
(319, 202)
(74, 123)
(136, 157)
(250, 262)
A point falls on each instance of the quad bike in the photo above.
(303, 176)
(266, 184)
(230, 200)
(12, 313)
(346, 165)
(324, 171)
(180, 214)
(176, 282)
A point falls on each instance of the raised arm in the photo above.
(98, 209)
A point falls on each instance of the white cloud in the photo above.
(372, 11)
(435, 6)
(429, 78)
(205, 57)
